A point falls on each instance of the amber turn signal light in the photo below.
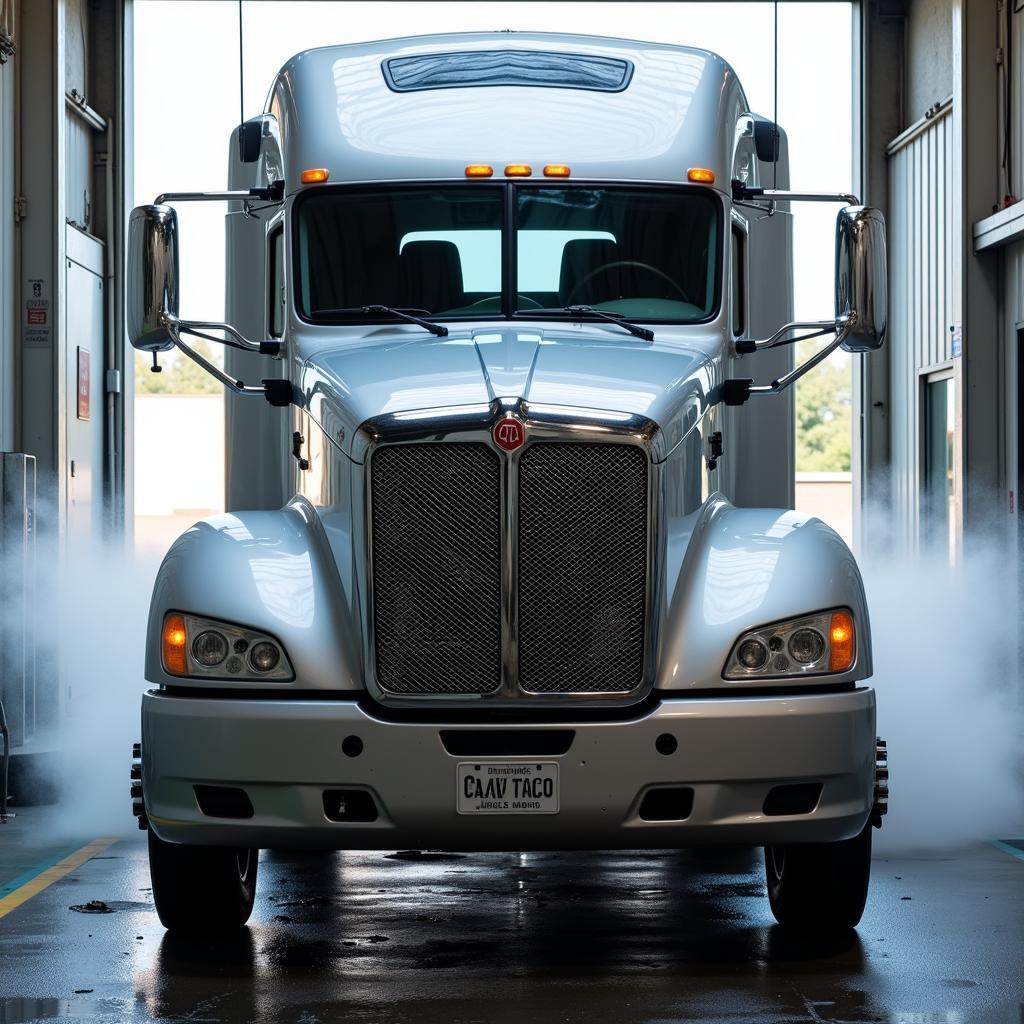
(518, 170)
(556, 171)
(315, 176)
(843, 642)
(701, 175)
(174, 644)
(479, 170)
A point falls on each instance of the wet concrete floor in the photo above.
(615, 936)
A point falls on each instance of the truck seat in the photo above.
(582, 256)
(430, 275)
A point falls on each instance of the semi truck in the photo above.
(510, 561)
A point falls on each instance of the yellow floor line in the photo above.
(46, 878)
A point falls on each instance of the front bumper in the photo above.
(731, 751)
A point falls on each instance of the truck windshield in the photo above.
(644, 253)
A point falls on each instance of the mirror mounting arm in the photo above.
(737, 390)
(273, 193)
(276, 392)
(271, 347)
(744, 346)
(743, 193)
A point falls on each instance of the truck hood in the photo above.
(396, 371)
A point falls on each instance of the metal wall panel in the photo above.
(922, 251)
(78, 173)
(1016, 168)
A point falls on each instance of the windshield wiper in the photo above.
(613, 318)
(401, 314)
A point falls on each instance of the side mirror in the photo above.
(861, 289)
(152, 276)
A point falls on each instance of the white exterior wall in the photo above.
(921, 259)
(8, 322)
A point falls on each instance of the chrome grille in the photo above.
(582, 567)
(436, 545)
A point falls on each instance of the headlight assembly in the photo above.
(193, 647)
(820, 644)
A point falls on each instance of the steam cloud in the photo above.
(946, 674)
(949, 693)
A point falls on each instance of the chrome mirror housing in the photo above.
(861, 287)
(152, 277)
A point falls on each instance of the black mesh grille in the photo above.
(582, 567)
(436, 524)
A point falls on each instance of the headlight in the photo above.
(813, 645)
(208, 649)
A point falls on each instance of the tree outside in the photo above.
(824, 414)
(179, 375)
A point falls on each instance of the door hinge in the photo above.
(20, 209)
(1000, 56)
(717, 450)
(297, 442)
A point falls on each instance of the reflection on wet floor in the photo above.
(512, 937)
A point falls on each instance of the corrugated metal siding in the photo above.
(1014, 276)
(921, 254)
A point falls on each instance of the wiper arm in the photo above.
(401, 314)
(613, 318)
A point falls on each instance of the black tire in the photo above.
(202, 889)
(821, 887)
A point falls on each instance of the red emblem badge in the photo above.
(509, 433)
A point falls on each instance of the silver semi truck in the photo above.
(507, 357)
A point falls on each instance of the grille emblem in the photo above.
(509, 433)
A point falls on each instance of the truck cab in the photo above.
(509, 563)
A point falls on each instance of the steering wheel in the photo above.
(626, 263)
(521, 301)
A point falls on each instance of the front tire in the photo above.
(821, 887)
(202, 889)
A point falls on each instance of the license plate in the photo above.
(507, 787)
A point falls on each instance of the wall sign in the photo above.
(83, 383)
(37, 313)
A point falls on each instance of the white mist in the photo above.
(948, 684)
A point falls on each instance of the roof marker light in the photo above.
(479, 170)
(315, 175)
(556, 171)
(702, 175)
(518, 170)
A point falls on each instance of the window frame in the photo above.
(740, 231)
(275, 232)
(510, 230)
(941, 373)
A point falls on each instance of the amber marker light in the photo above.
(518, 170)
(479, 170)
(175, 642)
(701, 175)
(315, 176)
(556, 171)
(843, 642)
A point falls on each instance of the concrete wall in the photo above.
(829, 496)
(929, 49)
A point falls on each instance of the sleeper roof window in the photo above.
(507, 67)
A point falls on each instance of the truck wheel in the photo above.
(202, 888)
(821, 887)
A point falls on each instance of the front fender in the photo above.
(746, 568)
(269, 571)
